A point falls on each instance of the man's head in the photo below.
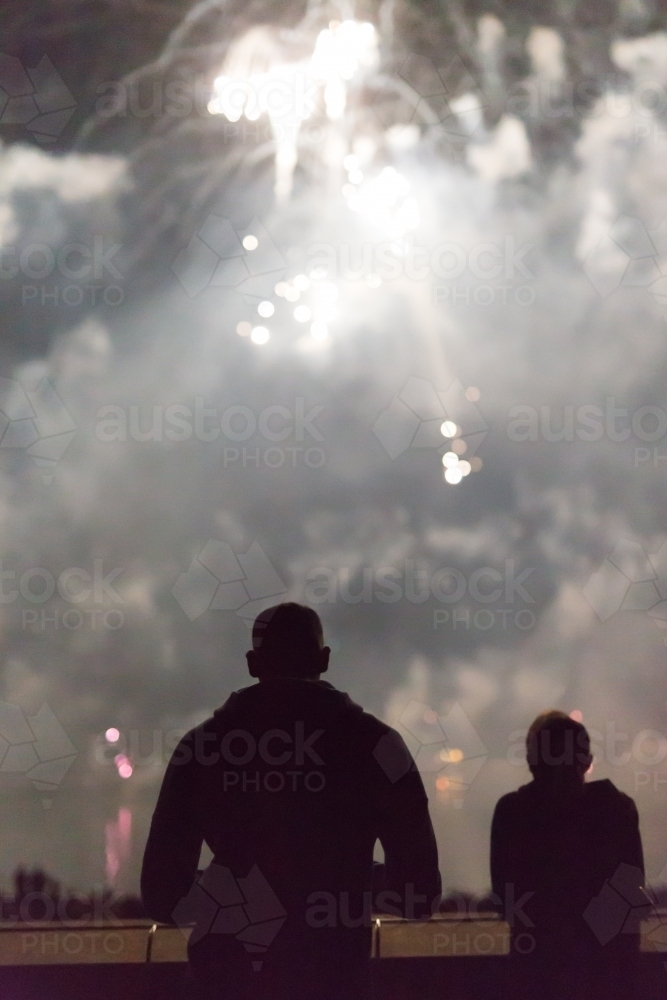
(558, 747)
(287, 641)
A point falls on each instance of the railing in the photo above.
(142, 941)
(448, 958)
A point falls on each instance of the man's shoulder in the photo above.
(604, 794)
(517, 801)
(356, 719)
(199, 734)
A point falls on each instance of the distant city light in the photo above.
(250, 242)
(473, 393)
(260, 335)
(453, 475)
(450, 460)
(577, 715)
(244, 328)
(266, 309)
(112, 735)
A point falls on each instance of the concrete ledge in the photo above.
(443, 936)
(168, 944)
(74, 943)
(143, 942)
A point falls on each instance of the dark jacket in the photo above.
(562, 850)
(292, 780)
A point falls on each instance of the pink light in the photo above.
(118, 836)
(112, 735)
(577, 715)
(120, 758)
(125, 770)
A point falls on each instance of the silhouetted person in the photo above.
(290, 784)
(567, 865)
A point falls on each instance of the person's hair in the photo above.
(556, 740)
(288, 636)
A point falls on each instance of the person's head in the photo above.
(287, 641)
(558, 748)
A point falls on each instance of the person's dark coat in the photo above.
(568, 871)
(290, 784)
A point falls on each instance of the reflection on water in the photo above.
(118, 836)
(87, 840)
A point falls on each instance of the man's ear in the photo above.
(325, 653)
(251, 660)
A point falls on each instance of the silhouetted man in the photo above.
(290, 784)
(567, 865)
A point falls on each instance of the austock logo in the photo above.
(423, 94)
(35, 746)
(220, 580)
(35, 421)
(246, 908)
(415, 418)
(36, 98)
(219, 257)
(619, 906)
(630, 256)
(446, 746)
(630, 579)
